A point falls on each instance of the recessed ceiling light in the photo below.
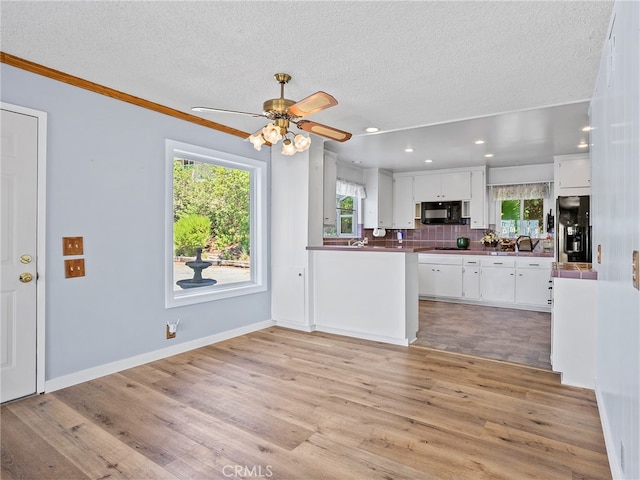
(428, 161)
(488, 155)
(408, 149)
(479, 142)
(583, 145)
(372, 129)
(586, 129)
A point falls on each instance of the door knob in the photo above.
(26, 277)
(25, 258)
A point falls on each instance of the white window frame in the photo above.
(258, 225)
(547, 205)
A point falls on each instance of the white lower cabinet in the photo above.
(533, 282)
(471, 279)
(497, 280)
(440, 279)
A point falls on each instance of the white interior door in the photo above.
(18, 250)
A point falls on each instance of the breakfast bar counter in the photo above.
(365, 292)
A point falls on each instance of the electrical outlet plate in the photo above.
(169, 334)
(74, 268)
(72, 246)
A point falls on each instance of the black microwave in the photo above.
(441, 212)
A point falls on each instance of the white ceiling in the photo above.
(447, 67)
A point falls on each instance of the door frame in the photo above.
(40, 236)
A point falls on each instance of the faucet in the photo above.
(358, 243)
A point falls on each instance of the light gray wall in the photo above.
(106, 182)
(615, 163)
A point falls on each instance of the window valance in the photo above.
(352, 189)
(520, 191)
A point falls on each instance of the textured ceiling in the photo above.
(396, 65)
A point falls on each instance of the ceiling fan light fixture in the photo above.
(288, 148)
(301, 142)
(257, 140)
(271, 133)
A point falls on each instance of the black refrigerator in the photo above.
(573, 231)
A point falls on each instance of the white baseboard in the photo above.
(294, 326)
(364, 336)
(612, 451)
(119, 365)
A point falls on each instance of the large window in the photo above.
(346, 218)
(215, 214)
(522, 217)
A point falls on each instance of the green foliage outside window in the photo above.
(191, 232)
(218, 193)
(522, 217)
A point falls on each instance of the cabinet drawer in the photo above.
(471, 261)
(498, 262)
(533, 263)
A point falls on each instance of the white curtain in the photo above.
(352, 189)
(520, 191)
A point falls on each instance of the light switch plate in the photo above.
(74, 268)
(72, 246)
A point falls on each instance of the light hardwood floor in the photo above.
(507, 334)
(289, 405)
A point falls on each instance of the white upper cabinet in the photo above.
(329, 191)
(403, 204)
(378, 206)
(478, 202)
(572, 174)
(438, 187)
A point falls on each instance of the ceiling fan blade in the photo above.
(323, 130)
(312, 104)
(209, 109)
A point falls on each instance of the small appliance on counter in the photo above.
(462, 242)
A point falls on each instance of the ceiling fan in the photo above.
(284, 112)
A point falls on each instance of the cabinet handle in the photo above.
(497, 263)
(469, 263)
(534, 264)
(511, 274)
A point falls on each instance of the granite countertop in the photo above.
(577, 270)
(370, 248)
(433, 250)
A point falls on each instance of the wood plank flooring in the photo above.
(506, 334)
(283, 404)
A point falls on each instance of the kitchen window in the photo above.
(346, 218)
(215, 201)
(522, 217)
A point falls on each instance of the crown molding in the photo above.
(110, 92)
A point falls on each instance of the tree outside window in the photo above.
(346, 218)
(522, 217)
(216, 203)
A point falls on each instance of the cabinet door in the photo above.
(403, 205)
(455, 186)
(497, 284)
(575, 172)
(437, 280)
(532, 286)
(449, 281)
(385, 200)
(427, 280)
(329, 190)
(426, 188)
(478, 204)
(471, 282)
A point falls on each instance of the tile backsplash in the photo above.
(424, 236)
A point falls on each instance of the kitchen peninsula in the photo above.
(365, 292)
